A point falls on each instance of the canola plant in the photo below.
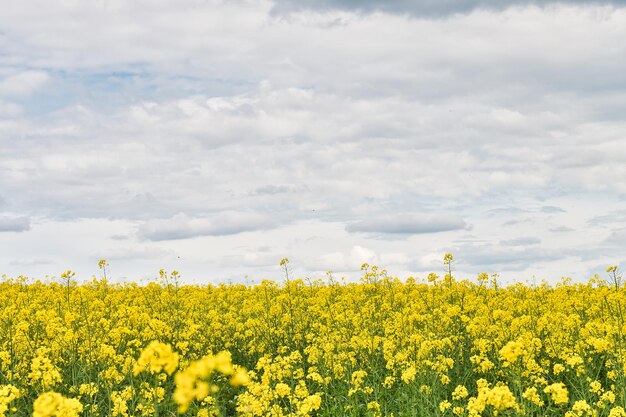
(379, 347)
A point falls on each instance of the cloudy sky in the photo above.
(217, 137)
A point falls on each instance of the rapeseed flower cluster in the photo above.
(53, 404)
(435, 346)
(8, 393)
(197, 381)
(157, 357)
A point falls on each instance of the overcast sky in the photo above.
(217, 137)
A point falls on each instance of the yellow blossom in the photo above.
(558, 392)
(157, 357)
(617, 412)
(459, 392)
(52, 404)
(533, 396)
(444, 405)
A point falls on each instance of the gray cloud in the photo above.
(561, 229)
(617, 237)
(14, 224)
(551, 209)
(507, 211)
(133, 253)
(182, 226)
(408, 224)
(514, 258)
(119, 237)
(31, 262)
(280, 189)
(273, 189)
(618, 216)
(422, 8)
(518, 221)
(521, 241)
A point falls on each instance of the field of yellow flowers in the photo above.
(380, 347)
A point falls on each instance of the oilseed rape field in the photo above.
(431, 346)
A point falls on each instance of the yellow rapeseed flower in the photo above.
(157, 357)
(8, 393)
(558, 393)
(52, 404)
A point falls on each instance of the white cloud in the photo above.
(130, 253)
(9, 109)
(510, 118)
(23, 83)
(31, 262)
(521, 241)
(353, 259)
